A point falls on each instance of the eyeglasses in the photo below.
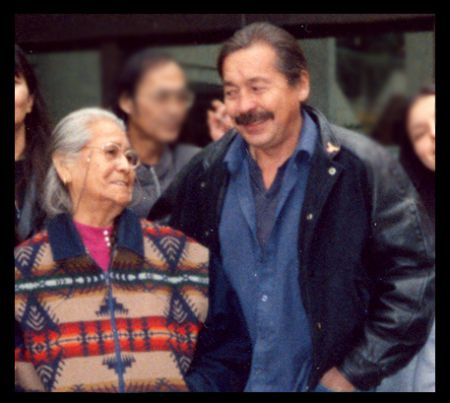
(183, 97)
(113, 151)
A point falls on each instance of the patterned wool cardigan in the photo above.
(133, 329)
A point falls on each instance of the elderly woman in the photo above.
(110, 303)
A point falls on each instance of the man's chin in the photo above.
(168, 136)
(257, 140)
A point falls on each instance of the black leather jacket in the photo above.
(366, 251)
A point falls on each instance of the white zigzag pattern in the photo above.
(171, 246)
(185, 362)
(58, 282)
(23, 254)
(35, 319)
(161, 277)
(179, 314)
(45, 372)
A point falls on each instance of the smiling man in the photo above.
(316, 227)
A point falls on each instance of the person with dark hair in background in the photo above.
(153, 98)
(31, 136)
(417, 136)
(316, 227)
(418, 147)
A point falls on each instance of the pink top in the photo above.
(97, 242)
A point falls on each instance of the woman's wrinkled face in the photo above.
(421, 127)
(100, 176)
(23, 100)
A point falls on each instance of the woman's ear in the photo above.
(62, 168)
(126, 104)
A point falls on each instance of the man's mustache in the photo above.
(253, 117)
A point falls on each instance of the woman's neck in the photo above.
(96, 216)
(19, 142)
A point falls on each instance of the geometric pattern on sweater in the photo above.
(185, 324)
(114, 363)
(148, 318)
(117, 307)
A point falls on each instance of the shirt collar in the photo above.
(161, 168)
(165, 163)
(65, 241)
(305, 146)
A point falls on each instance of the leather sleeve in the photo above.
(401, 249)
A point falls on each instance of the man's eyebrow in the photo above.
(228, 84)
(253, 80)
(258, 79)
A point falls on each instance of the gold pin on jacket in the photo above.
(331, 148)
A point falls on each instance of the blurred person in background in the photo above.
(31, 136)
(153, 98)
(107, 302)
(417, 138)
(218, 120)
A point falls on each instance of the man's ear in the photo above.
(126, 104)
(62, 168)
(303, 86)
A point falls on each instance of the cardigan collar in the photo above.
(66, 242)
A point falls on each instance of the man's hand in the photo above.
(335, 381)
(218, 120)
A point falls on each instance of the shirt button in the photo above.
(202, 184)
(264, 298)
(309, 216)
(319, 325)
(332, 170)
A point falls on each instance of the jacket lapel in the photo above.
(324, 174)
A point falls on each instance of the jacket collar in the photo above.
(66, 242)
(328, 140)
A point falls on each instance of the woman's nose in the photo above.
(122, 163)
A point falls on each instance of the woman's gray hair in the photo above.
(68, 138)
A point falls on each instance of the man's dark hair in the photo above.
(291, 60)
(37, 127)
(133, 71)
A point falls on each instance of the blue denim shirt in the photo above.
(266, 278)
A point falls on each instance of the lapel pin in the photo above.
(331, 148)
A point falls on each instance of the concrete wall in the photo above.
(68, 80)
